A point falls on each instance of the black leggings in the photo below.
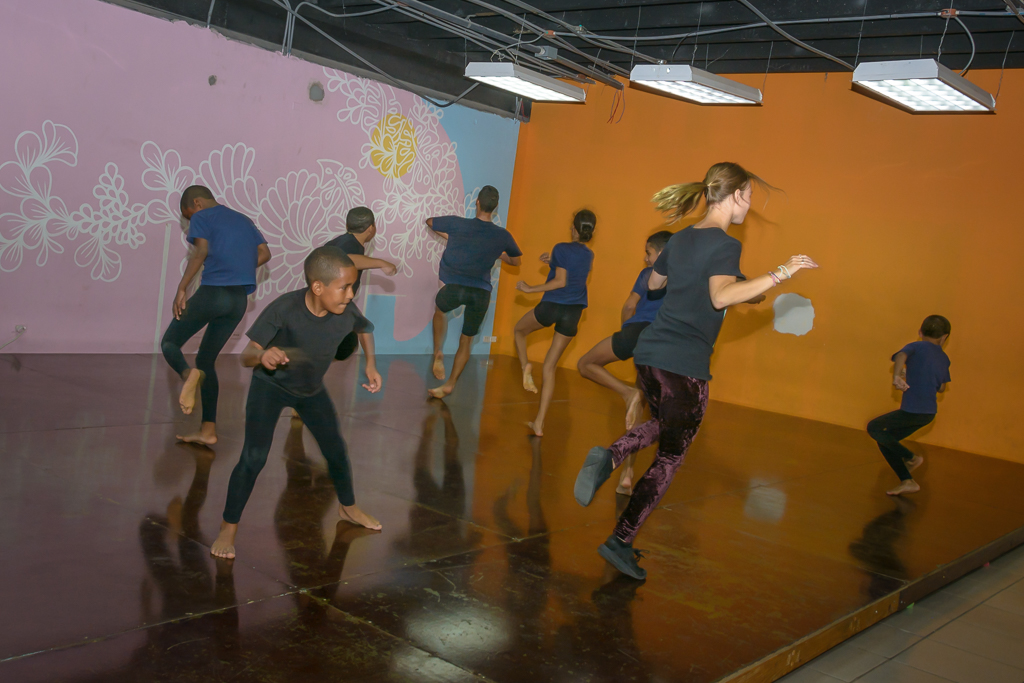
(889, 429)
(220, 309)
(262, 408)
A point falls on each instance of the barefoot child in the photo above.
(361, 226)
(565, 297)
(921, 371)
(293, 342)
(700, 271)
(474, 244)
(229, 249)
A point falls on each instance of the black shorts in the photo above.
(347, 346)
(475, 300)
(565, 317)
(624, 341)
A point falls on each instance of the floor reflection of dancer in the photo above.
(297, 521)
(638, 312)
(876, 548)
(565, 297)
(474, 244)
(292, 344)
(921, 371)
(186, 585)
(229, 249)
(700, 266)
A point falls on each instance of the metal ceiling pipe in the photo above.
(793, 39)
(512, 42)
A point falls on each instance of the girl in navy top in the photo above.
(637, 313)
(565, 297)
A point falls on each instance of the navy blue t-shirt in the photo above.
(927, 370)
(577, 259)
(473, 247)
(233, 239)
(647, 308)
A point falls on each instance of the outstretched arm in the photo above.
(430, 226)
(367, 263)
(201, 248)
(728, 290)
(557, 282)
(511, 260)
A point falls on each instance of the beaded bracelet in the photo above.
(775, 278)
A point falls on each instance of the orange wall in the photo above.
(907, 216)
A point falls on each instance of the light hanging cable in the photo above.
(694, 85)
(922, 85)
(522, 81)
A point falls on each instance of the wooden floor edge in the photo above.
(796, 654)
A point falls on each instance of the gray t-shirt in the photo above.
(682, 336)
(309, 341)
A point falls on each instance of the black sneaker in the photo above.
(623, 557)
(595, 471)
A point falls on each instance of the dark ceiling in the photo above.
(426, 44)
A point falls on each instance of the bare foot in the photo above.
(908, 486)
(190, 391)
(438, 367)
(536, 427)
(634, 407)
(441, 391)
(351, 513)
(207, 435)
(528, 380)
(914, 463)
(224, 545)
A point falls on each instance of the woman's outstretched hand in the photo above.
(799, 262)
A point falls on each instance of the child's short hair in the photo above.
(488, 199)
(935, 327)
(324, 265)
(359, 220)
(194, 192)
(659, 239)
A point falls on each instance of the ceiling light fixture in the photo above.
(694, 85)
(922, 85)
(524, 82)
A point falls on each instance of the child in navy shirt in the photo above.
(565, 297)
(921, 372)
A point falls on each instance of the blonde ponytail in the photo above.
(720, 181)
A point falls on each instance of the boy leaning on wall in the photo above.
(921, 372)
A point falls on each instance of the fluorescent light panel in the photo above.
(923, 85)
(524, 82)
(694, 85)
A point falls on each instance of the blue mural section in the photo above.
(485, 145)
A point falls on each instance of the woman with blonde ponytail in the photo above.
(565, 297)
(700, 271)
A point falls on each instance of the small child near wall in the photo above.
(921, 372)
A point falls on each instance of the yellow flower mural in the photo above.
(393, 146)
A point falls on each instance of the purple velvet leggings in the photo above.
(677, 408)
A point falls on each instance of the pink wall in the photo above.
(107, 114)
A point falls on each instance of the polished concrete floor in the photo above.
(486, 567)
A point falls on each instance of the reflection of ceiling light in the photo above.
(922, 85)
(694, 85)
(529, 84)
